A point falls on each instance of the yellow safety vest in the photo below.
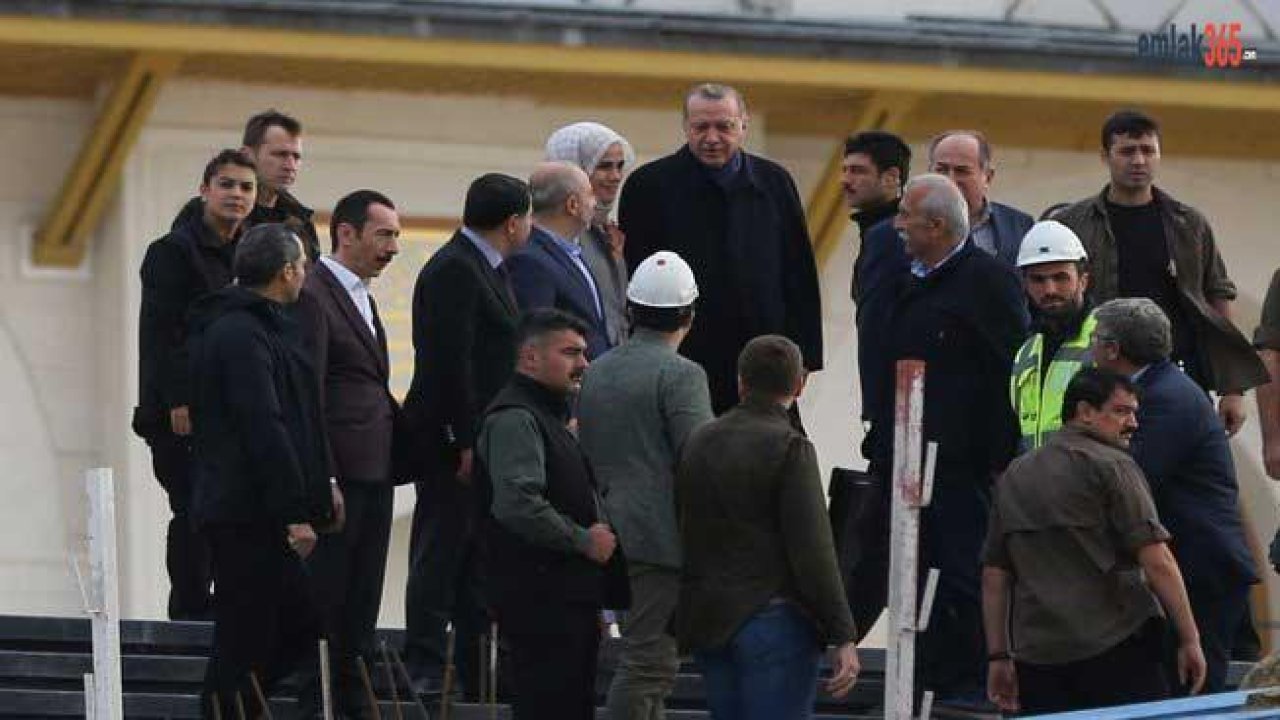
(1037, 401)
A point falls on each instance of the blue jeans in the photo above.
(767, 671)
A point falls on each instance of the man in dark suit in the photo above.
(962, 312)
(464, 339)
(736, 218)
(965, 157)
(192, 260)
(550, 272)
(1182, 447)
(345, 338)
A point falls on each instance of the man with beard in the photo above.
(1074, 562)
(1055, 274)
(193, 260)
(550, 552)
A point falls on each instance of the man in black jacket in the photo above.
(550, 550)
(262, 487)
(464, 340)
(274, 141)
(875, 167)
(190, 261)
(962, 312)
(736, 218)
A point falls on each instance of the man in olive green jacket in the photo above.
(1144, 243)
(760, 592)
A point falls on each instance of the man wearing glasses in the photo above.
(738, 221)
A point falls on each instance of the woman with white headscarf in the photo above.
(605, 156)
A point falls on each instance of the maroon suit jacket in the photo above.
(361, 415)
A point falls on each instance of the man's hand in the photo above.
(465, 459)
(302, 540)
(1191, 666)
(339, 520)
(180, 420)
(1231, 410)
(603, 543)
(1002, 685)
(844, 670)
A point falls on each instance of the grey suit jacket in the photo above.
(639, 403)
(611, 279)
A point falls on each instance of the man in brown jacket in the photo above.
(760, 590)
(1144, 243)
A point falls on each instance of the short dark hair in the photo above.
(354, 211)
(661, 319)
(984, 146)
(1094, 386)
(885, 149)
(256, 129)
(537, 324)
(1130, 124)
(770, 365)
(262, 252)
(492, 198)
(224, 158)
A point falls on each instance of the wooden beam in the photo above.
(63, 237)
(825, 211)
(610, 63)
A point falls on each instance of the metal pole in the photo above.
(105, 592)
(904, 558)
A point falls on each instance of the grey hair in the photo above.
(552, 184)
(715, 91)
(263, 252)
(1138, 326)
(942, 200)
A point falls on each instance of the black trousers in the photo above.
(347, 571)
(186, 552)
(264, 620)
(553, 665)
(1219, 613)
(951, 652)
(1130, 672)
(444, 583)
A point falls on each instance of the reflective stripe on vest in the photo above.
(1038, 401)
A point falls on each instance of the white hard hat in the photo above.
(663, 280)
(1050, 241)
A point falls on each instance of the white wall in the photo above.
(68, 347)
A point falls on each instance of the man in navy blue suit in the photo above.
(965, 157)
(550, 271)
(1181, 446)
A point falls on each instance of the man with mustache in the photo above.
(343, 333)
(552, 559)
(736, 218)
(274, 141)
(1055, 273)
(1183, 450)
(1074, 562)
(193, 259)
(1144, 243)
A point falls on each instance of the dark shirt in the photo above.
(1067, 523)
(1144, 267)
(1056, 332)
